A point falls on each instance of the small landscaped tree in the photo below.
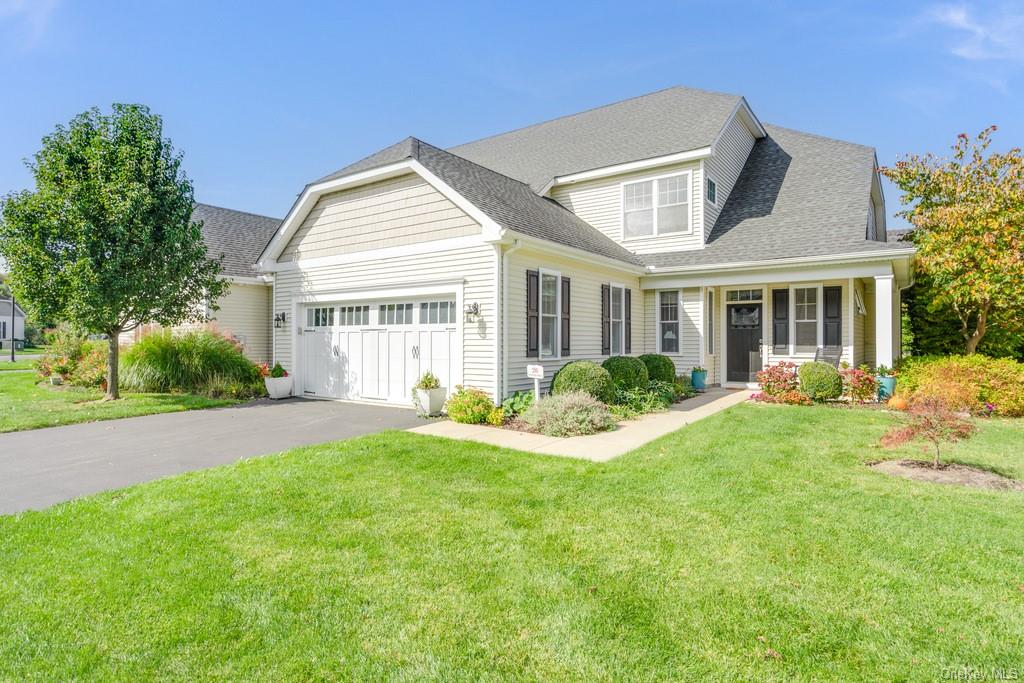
(106, 240)
(930, 420)
(968, 217)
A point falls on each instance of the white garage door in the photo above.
(377, 351)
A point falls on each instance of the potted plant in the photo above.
(699, 378)
(886, 378)
(277, 380)
(428, 394)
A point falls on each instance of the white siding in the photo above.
(584, 314)
(389, 213)
(474, 265)
(599, 202)
(724, 167)
(690, 327)
(245, 314)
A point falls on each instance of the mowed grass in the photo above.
(26, 404)
(754, 544)
(6, 364)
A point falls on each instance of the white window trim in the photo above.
(654, 205)
(709, 321)
(707, 192)
(678, 321)
(723, 330)
(611, 319)
(558, 314)
(792, 319)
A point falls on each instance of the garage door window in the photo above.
(395, 314)
(349, 316)
(320, 317)
(437, 313)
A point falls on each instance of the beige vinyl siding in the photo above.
(389, 213)
(245, 314)
(691, 327)
(859, 323)
(475, 265)
(599, 203)
(725, 165)
(584, 318)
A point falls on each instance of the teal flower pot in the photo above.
(699, 379)
(886, 387)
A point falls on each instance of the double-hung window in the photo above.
(549, 308)
(668, 322)
(656, 207)
(618, 319)
(806, 319)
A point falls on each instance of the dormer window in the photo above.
(656, 207)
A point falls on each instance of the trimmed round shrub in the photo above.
(659, 368)
(585, 376)
(820, 381)
(192, 362)
(627, 372)
(576, 413)
(469, 406)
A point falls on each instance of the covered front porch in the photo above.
(735, 323)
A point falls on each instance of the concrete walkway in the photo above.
(45, 466)
(598, 447)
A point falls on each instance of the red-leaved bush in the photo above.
(859, 385)
(778, 379)
(793, 397)
(931, 420)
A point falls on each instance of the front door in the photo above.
(743, 360)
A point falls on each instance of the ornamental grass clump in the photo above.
(193, 362)
(573, 414)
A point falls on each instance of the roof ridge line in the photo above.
(820, 136)
(225, 208)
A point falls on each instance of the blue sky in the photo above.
(265, 96)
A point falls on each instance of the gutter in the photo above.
(855, 257)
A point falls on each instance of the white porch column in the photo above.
(884, 317)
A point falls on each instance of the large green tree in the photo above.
(968, 217)
(107, 240)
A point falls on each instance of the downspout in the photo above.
(505, 312)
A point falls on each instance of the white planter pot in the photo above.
(430, 401)
(278, 387)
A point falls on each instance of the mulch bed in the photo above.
(950, 473)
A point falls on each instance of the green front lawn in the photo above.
(754, 544)
(25, 404)
(6, 364)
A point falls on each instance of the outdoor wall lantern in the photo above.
(279, 320)
(472, 311)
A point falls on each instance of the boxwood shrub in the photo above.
(585, 376)
(659, 368)
(820, 381)
(627, 372)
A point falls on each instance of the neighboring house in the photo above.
(9, 327)
(675, 223)
(244, 311)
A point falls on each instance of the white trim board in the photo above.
(628, 167)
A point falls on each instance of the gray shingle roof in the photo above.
(508, 202)
(798, 195)
(237, 235)
(660, 123)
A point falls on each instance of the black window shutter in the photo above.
(532, 313)
(780, 320)
(627, 317)
(606, 320)
(565, 316)
(833, 316)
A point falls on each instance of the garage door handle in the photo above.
(416, 351)
(336, 351)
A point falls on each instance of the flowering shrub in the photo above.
(859, 385)
(91, 368)
(976, 383)
(791, 396)
(778, 379)
(469, 406)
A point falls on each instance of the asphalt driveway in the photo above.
(45, 466)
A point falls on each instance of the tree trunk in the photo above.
(936, 455)
(975, 337)
(113, 392)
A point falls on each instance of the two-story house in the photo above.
(675, 222)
